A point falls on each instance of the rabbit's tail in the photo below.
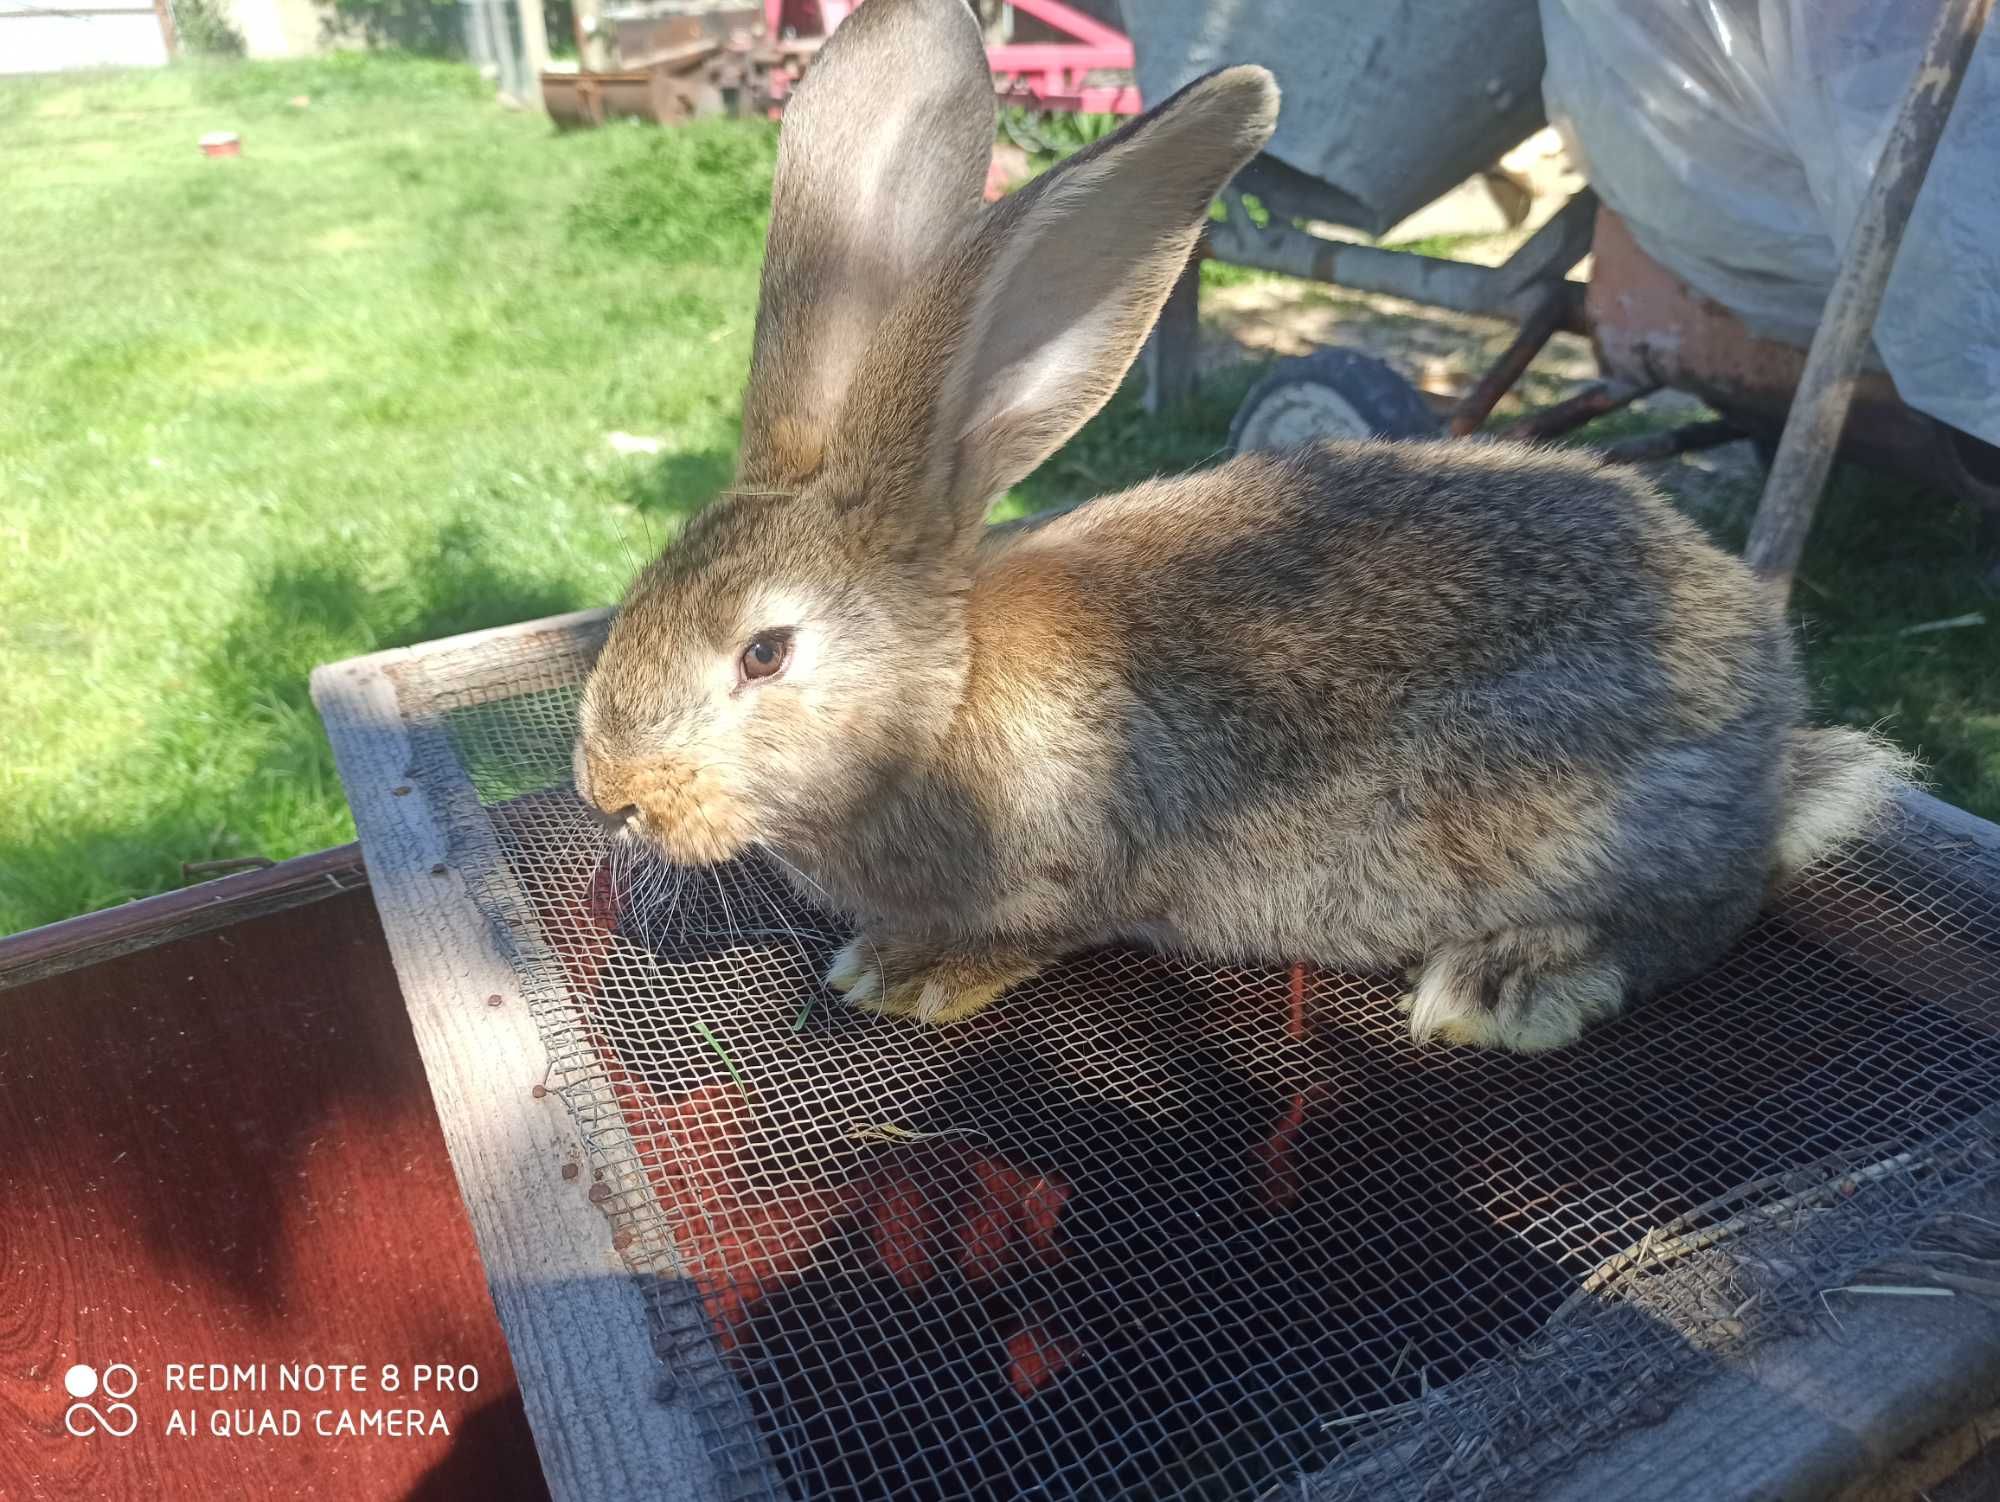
(1836, 783)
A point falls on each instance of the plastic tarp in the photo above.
(1737, 138)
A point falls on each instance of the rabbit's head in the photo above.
(916, 353)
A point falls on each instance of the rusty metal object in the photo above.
(1458, 285)
(1536, 330)
(683, 67)
(575, 99)
(1553, 250)
(662, 94)
(744, 59)
(1589, 404)
(1688, 438)
(638, 38)
(1652, 330)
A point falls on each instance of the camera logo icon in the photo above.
(117, 1417)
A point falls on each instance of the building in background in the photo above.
(50, 36)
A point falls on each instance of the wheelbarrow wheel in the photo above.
(1331, 393)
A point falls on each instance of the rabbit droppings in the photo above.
(1496, 716)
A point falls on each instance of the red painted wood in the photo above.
(224, 1150)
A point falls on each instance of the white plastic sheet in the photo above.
(1737, 139)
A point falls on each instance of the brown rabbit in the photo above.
(1497, 716)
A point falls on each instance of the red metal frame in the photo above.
(1045, 75)
(1053, 74)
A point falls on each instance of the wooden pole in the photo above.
(1826, 387)
(593, 39)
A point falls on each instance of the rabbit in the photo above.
(1493, 716)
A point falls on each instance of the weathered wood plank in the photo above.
(94, 937)
(477, 676)
(1813, 1417)
(575, 1318)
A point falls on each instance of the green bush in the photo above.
(1047, 136)
(430, 28)
(204, 29)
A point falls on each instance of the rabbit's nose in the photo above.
(616, 819)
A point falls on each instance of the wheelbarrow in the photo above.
(1479, 67)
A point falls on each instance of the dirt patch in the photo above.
(1443, 353)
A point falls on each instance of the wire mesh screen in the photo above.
(1150, 1227)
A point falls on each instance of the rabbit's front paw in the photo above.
(893, 979)
(956, 987)
(856, 972)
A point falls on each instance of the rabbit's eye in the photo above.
(766, 655)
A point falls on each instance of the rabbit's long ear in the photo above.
(882, 162)
(1035, 323)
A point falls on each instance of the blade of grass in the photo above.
(720, 1052)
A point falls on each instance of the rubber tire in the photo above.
(1378, 403)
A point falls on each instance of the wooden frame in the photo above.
(1861, 1396)
(1913, 1367)
(576, 1319)
(76, 942)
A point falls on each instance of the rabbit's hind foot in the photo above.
(896, 979)
(1522, 989)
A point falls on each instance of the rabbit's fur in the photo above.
(1497, 716)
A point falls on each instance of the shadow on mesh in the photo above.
(1146, 1227)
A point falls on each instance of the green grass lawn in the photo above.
(353, 390)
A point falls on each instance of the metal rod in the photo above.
(1169, 358)
(1685, 439)
(1826, 387)
(1554, 249)
(1536, 330)
(1458, 286)
(1566, 416)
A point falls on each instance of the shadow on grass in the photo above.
(242, 758)
(675, 486)
(1120, 447)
